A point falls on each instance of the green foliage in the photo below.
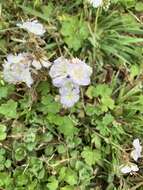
(104, 92)
(44, 146)
(9, 109)
(91, 157)
(48, 105)
(5, 91)
(75, 31)
(139, 6)
(53, 183)
(109, 39)
(20, 153)
(69, 176)
(65, 124)
(128, 3)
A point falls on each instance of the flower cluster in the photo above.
(135, 155)
(68, 76)
(18, 68)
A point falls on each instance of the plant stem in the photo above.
(96, 19)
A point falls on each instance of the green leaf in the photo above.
(22, 180)
(90, 156)
(30, 136)
(6, 90)
(139, 6)
(102, 90)
(71, 177)
(107, 119)
(3, 92)
(61, 149)
(8, 163)
(129, 20)
(49, 105)
(90, 110)
(53, 183)
(96, 140)
(90, 91)
(9, 109)
(134, 71)
(107, 103)
(62, 173)
(43, 88)
(126, 40)
(5, 179)
(128, 3)
(67, 127)
(20, 153)
(75, 32)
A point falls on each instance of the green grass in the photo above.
(46, 147)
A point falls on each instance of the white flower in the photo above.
(59, 71)
(136, 153)
(79, 72)
(33, 26)
(41, 62)
(68, 99)
(17, 69)
(68, 75)
(129, 168)
(68, 86)
(96, 3)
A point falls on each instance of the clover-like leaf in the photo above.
(53, 183)
(9, 109)
(90, 156)
(75, 32)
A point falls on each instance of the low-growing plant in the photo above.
(71, 100)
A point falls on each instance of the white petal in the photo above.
(134, 167)
(125, 169)
(96, 3)
(33, 26)
(134, 154)
(136, 144)
(68, 86)
(59, 68)
(80, 72)
(58, 82)
(69, 99)
(129, 168)
(10, 58)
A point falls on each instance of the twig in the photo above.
(137, 186)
